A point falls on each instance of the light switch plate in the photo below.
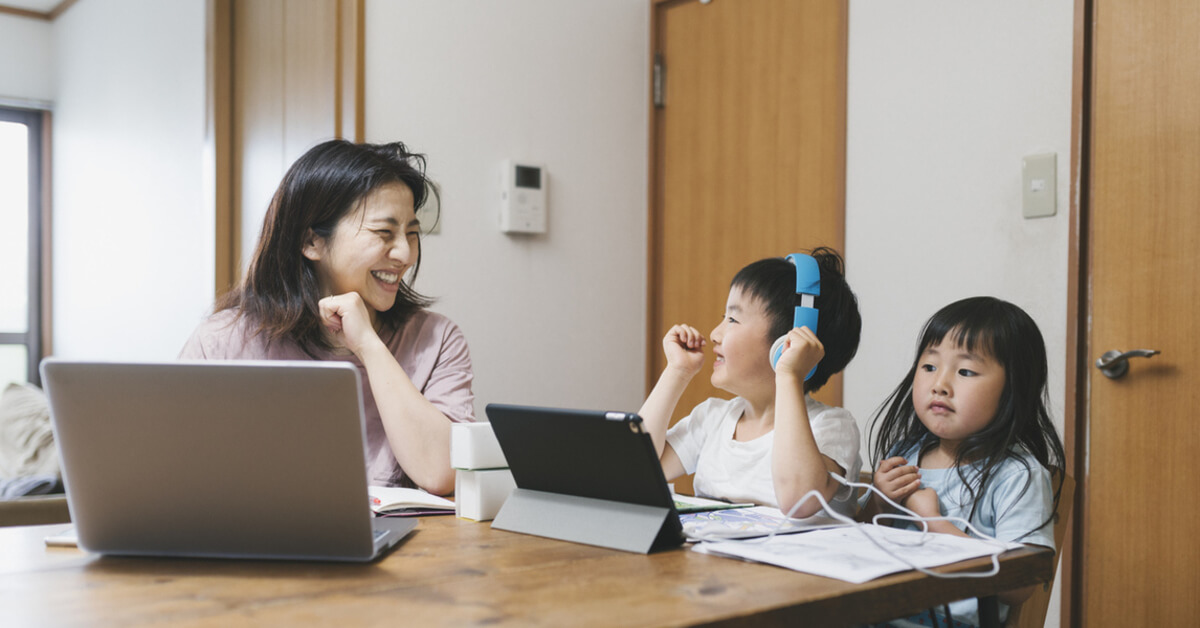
(1038, 185)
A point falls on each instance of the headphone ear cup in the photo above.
(777, 350)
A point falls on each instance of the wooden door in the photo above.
(747, 155)
(283, 76)
(1140, 555)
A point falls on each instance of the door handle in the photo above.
(1114, 364)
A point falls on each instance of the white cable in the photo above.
(911, 516)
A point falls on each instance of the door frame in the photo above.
(1075, 410)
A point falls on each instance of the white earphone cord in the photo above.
(911, 516)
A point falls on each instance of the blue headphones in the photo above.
(808, 287)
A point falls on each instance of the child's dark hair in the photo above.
(772, 282)
(1022, 422)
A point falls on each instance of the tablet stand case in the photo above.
(616, 525)
(584, 476)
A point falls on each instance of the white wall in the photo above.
(133, 242)
(556, 319)
(27, 73)
(944, 99)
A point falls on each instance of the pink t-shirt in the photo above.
(430, 348)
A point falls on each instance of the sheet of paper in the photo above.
(744, 523)
(845, 554)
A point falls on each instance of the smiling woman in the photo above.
(331, 279)
(370, 249)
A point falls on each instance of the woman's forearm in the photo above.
(418, 433)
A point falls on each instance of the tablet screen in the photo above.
(588, 453)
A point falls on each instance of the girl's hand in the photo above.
(896, 479)
(684, 346)
(347, 319)
(801, 354)
(924, 502)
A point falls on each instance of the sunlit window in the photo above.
(20, 244)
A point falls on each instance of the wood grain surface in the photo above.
(456, 572)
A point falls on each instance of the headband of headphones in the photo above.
(808, 288)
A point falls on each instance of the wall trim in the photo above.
(218, 143)
(48, 16)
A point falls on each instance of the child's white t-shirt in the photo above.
(741, 471)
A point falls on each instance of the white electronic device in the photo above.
(522, 198)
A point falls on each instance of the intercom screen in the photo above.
(529, 177)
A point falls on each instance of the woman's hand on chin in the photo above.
(348, 321)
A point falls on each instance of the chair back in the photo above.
(1032, 612)
(34, 510)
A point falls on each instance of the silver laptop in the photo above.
(217, 459)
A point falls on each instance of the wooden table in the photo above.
(456, 572)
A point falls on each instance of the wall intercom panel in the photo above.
(522, 198)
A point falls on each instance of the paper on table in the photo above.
(744, 523)
(391, 499)
(65, 537)
(844, 553)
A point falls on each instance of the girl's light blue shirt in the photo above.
(1009, 510)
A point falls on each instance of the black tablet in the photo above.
(586, 454)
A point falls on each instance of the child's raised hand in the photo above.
(684, 346)
(896, 478)
(801, 353)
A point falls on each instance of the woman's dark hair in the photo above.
(280, 292)
(1022, 422)
(772, 282)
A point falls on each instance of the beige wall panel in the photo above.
(310, 70)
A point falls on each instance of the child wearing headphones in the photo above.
(967, 434)
(771, 443)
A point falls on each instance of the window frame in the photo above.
(37, 122)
